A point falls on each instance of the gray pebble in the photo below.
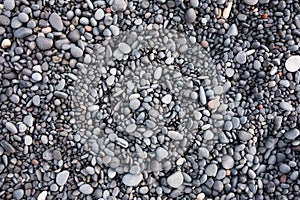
(286, 106)
(292, 134)
(23, 17)
(9, 4)
(132, 180)
(99, 14)
(36, 77)
(22, 32)
(62, 177)
(134, 104)
(18, 194)
(284, 168)
(86, 189)
(62, 95)
(241, 57)
(76, 52)
(74, 36)
(175, 180)
(8, 148)
(245, 136)
(44, 43)
(251, 2)
(11, 127)
(211, 170)
(56, 22)
(175, 135)
(28, 120)
(190, 15)
(233, 30)
(119, 5)
(124, 48)
(227, 162)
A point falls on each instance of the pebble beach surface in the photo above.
(120, 99)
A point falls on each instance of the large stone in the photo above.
(175, 180)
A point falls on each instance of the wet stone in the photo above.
(11, 127)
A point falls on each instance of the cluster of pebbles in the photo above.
(161, 99)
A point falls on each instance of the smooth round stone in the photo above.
(130, 128)
(76, 52)
(227, 162)
(284, 168)
(134, 104)
(36, 77)
(228, 125)
(292, 134)
(175, 180)
(167, 99)
(203, 152)
(245, 136)
(208, 135)
(28, 140)
(132, 180)
(229, 72)
(218, 186)
(158, 73)
(18, 194)
(292, 64)
(124, 48)
(241, 57)
(23, 17)
(9, 4)
(251, 2)
(211, 170)
(99, 14)
(22, 32)
(190, 15)
(119, 5)
(86, 189)
(62, 177)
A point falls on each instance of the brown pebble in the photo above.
(264, 16)
(88, 28)
(212, 104)
(46, 30)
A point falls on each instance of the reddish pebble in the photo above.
(283, 178)
(108, 10)
(279, 74)
(265, 16)
(204, 43)
(35, 162)
(260, 106)
(88, 28)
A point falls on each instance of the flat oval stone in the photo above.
(175, 180)
(130, 128)
(292, 134)
(124, 48)
(132, 180)
(175, 135)
(44, 43)
(11, 127)
(86, 189)
(292, 64)
(190, 15)
(56, 22)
